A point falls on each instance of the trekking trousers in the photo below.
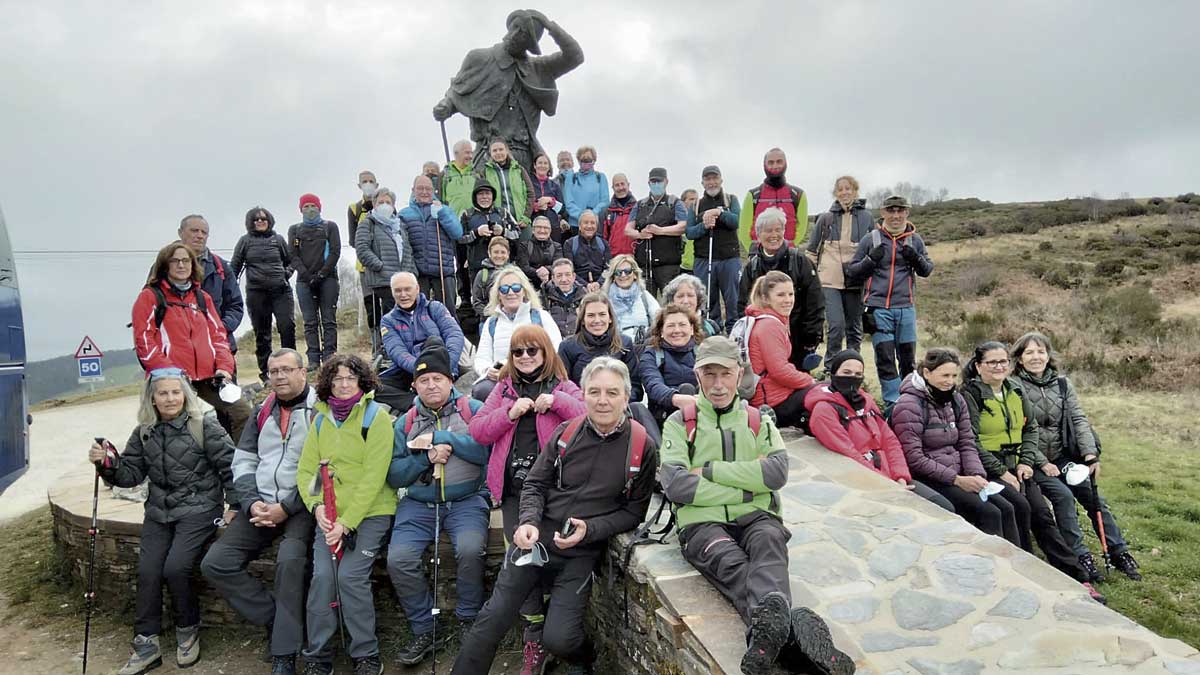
(744, 560)
(353, 580)
(169, 552)
(261, 304)
(318, 304)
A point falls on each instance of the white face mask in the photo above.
(383, 211)
(368, 189)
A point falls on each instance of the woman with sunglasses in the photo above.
(596, 335)
(266, 259)
(635, 306)
(1006, 434)
(533, 396)
(512, 303)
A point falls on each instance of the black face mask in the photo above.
(848, 386)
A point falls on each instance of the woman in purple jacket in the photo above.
(532, 397)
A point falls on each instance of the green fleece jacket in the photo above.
(456, 187)
(739, 472)
(360, 467)
(1001, 424)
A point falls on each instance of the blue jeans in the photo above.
(726, 277)
(895, 342)
(466, 521)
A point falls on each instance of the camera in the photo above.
(520, 466)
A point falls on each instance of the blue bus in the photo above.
(14, 404)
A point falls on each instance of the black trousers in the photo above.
(225, 566)
(378, 303)
(656, 278)
(318, 304)
(397, 392)
(261, 304)
(169, 552)
(744, 560)
(789, 410)
(1049, 538)
(1004, 515)
(431, 286)
(565, 634)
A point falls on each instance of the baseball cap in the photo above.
(658, 173)
(895, 200)
(718, 350)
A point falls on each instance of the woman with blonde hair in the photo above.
(512, 303)
(634, 305)
(831, 245)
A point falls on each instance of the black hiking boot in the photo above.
(810, 647)
(283, 665)
(1088, 563)
(770, 625)
(317, 668)
(1125, 563)
(368, 665)
(417, 650)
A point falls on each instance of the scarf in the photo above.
(341, 407)
(940, 397)
(392, 226)
(623, 300)
(894, 233)
(291, 402)
(596, 344)
(314, 222)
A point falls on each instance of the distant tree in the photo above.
(917, 195)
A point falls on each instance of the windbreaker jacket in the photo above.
(833, 240)
(456, 187)
(890, 283)
(661, 382)
(463, 473)
(584, 191)
(938, 444)
(867, 438)
(264, 464)
(187, 339)
(770, 347)
(1005, 432)
(514, 191)
(405, 331)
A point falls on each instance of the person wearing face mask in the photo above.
(635, 305)
(889, 261)
(512, 303)
(713, 226)
(843, 417)
(831, 246)
(773, 253)
(586, 188)
(614, 217)
(532, 398)
(514, 188)
(723, 464)
(1065, 436)
(781, 385)
(657, 224)
(588, 252)
(434, 230)
(316, 248)
(548, 198)
(405, 329)
(668, 361)
(266, 259)
(535, 256)
(358, 210)
(562, 295)
(383, 247)
(775, 192)
(596, 335)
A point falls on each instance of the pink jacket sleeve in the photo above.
(568, 400)
(769, 351)
(827, 428)
(491, 422)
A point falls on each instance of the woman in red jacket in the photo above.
(847, 421)
(780, 383)
(176, 325)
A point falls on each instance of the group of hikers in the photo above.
(602, 365)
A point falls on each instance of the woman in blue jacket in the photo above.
(586, 188)
(669, 358)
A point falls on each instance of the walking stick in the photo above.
(437, 535)
(90, 596)
(445, 143)
(1099, 523)
(712, 299)
(330, 500)
(441, 273)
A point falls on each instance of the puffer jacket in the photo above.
(578, 350)
(662, 369)
(590, 257)
(493, 426)
(1009, 435)
(376, 249)
(464, 472)
(405, 332)
(889, 283)
(866, 438)
(264, 256)
(264, 464)
(315, 251)
(1046, 402)
(187, 339)
(830, 246)
(533, 254)
(770, 346)
(563, 307)
(474, 218)
(424, 229)
(187, 478)
(939, 445)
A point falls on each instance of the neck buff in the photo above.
(313, 221)
(850, 388)
(182, 288)
(341, 407)
(291, 402)
(596, 344)
(940, 397)
(897, 232)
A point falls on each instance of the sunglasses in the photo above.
(624, 272)
(261, 219)
(518, 352)
(509, 288)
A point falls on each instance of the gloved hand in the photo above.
(910, 254)
(876, 254)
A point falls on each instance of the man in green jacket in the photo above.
(722, 465)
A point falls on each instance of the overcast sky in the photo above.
(118, 118)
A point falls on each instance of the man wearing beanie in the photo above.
(657, 225)
(723, 463)
(316, 246)
(443, 469)
(405, 330)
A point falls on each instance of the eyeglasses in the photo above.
(624, 272)
(532, 350)
(282, 370)
(510, 288)
(180, 261)
(1002, 363)
(345, 379)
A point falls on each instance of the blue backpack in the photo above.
(535, 315)
(372, 409)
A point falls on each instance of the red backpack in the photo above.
(753, 418)
(463, 404)
(633, 457)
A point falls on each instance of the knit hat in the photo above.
(842, 357)
(434, 358)
(309, 198)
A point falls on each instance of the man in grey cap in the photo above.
(657, 225)
(723, 463)
(713, 225)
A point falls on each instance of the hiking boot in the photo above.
(317, 668)
(283, 665)
(1088, 563)
(188, 652)
(368, 665)
(146, 656)
(535, 658)
(1124, 562)
(810, 647)
(1095, 594)
(770, 625)
(417, 650)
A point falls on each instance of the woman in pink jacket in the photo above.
(780, 383)
(531, 398)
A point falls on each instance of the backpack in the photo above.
(462, 403)
(740, 334)
(265, 411)
(633, 456)
(161, 302)
(368, 417)
(535, 316)
(575, 246)
(753, 415)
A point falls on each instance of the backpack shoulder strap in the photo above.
(369, 413)
(753, 418)
(876, 238)
(219, 265)
(568, 435)
(535, 315)
(633, 460)
(574, 246)
(160, 305)
(464, 408)
(317, 421)
(491, 324)
(265, 411)
(410, 418)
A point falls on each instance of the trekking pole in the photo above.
(445, 143)
(441, 270)
(335, 554)
(90, 596)
(712, 299)
(437, 535)
(1096, 514)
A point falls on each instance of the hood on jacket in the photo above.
(915, 384)
(753, 310)
(482, 186)
(250, 220)
(858, 204)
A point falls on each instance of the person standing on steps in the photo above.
(831, 246)
(713, 226)
(358, 210)
(658, 223)
(269, 507)
(434, 231)
(723, 463)
(384, 248)
(265, 258)
(548, 199)
(889, 261)
(585, 189)
(316, 248)
(614, 217)
(775, 192)
(220, 285)
(514, 188)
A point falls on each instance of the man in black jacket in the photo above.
(316, 247)
(771, 252)
(535, 256)
(580, 492)
(713, 224)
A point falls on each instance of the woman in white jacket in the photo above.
(512, 302)
(634, 305)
